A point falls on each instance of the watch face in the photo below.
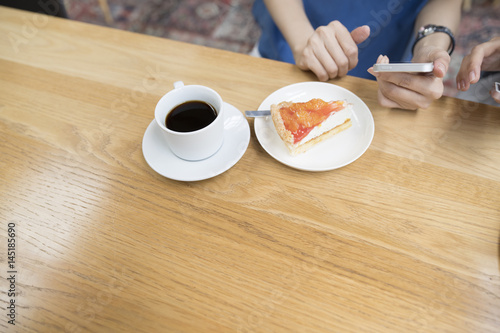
(428, 29)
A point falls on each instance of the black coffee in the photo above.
(190, 116)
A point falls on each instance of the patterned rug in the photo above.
(224, 24)
(229, 24)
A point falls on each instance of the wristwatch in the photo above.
(429, 30)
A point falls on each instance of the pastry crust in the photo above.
(284, 134)
(287, 136)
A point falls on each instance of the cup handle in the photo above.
(178, 84)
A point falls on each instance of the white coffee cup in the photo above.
(196, 145)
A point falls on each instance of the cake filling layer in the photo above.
(335, 119)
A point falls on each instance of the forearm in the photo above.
(439, 12)
(291, 19)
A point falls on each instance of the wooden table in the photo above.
(405, 239)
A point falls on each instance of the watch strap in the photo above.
(429, 30)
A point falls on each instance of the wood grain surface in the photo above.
(405, 239)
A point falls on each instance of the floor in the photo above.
(228, 24)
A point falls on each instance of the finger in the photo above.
(339, 58)
(466, 74)
(427, 85)
(396, 94)
(379, 59)
(324, 47)
(388, 95)
(309, 61)
(322, 56)
(495, 93)
(491, 51)
(392, 95)
(440, 68)
(424, 88)
(487, 49)
(320, 71)
(360, 34)
(470, 69)
(371, 71)
(441, 60)
(462, 79)
(341, 48)
(386, 102)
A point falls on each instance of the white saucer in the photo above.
(339, 150)
(161, 159)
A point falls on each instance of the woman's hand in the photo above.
(413, 90)
(486, 57)
(331, 51)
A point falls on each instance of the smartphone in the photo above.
(409, 67)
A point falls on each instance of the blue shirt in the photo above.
(391, 25)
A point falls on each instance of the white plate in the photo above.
(337, 151)
(161, 159)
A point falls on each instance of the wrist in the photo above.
(430, 44)
(299, 39)
(437, 37)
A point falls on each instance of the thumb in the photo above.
(360, 34)
(441, 60)
(440, 67)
